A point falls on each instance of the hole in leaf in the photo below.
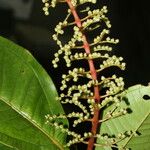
(125, 99)
(114, 148)
(146, 97)
(129, 110)
(138, 133)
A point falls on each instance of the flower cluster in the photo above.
(96, 16)
(46, 7)
(78, 85)
(77, 2)
(113, 141)
(48, 4)
(113, 61)
(87, 1)
(102, 48)
(53, 3)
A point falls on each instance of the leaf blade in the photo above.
(26, 90)
(133, 121)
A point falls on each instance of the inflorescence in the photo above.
(77, 93)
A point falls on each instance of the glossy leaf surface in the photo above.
(27, 94)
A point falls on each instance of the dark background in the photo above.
(130, 23)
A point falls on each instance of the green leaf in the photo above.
(3, 146)
(138, 120)
(27, 94)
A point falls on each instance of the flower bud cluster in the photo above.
(77, 34)
(74, 2)
(122, 111)
(78, 56)
(115, 86)
(112, 140)
(59, 27)
(74, 75)
(76, 138)
(63, 129)
(79, 139)
(87, 134)
(102, 48)
(46, 7)
(66, 49)
(48, 4)
(78, 92)
(100, 37)
(113, 61)
(112, 40)
(82, 89)
(78, 115)
(92, 83)
(125, 134)
(87, 1)
(106, 139)
(74, 99)
(53, 3)
(110, 99)
(59, 30)
(55, 38)
(92, 104)
(95, 16)
(94, 55)
(113, 114)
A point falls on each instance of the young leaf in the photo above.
(137, 98)
(27, 94)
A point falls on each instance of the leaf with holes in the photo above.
(27, 94)
(138, 100)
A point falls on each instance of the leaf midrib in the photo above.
(40, 82)
(16, 139)
(33, 123)
(8, 145)
(147, 115)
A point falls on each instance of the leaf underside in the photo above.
(27, 94)
(137, 98)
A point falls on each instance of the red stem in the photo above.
(93, 72)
